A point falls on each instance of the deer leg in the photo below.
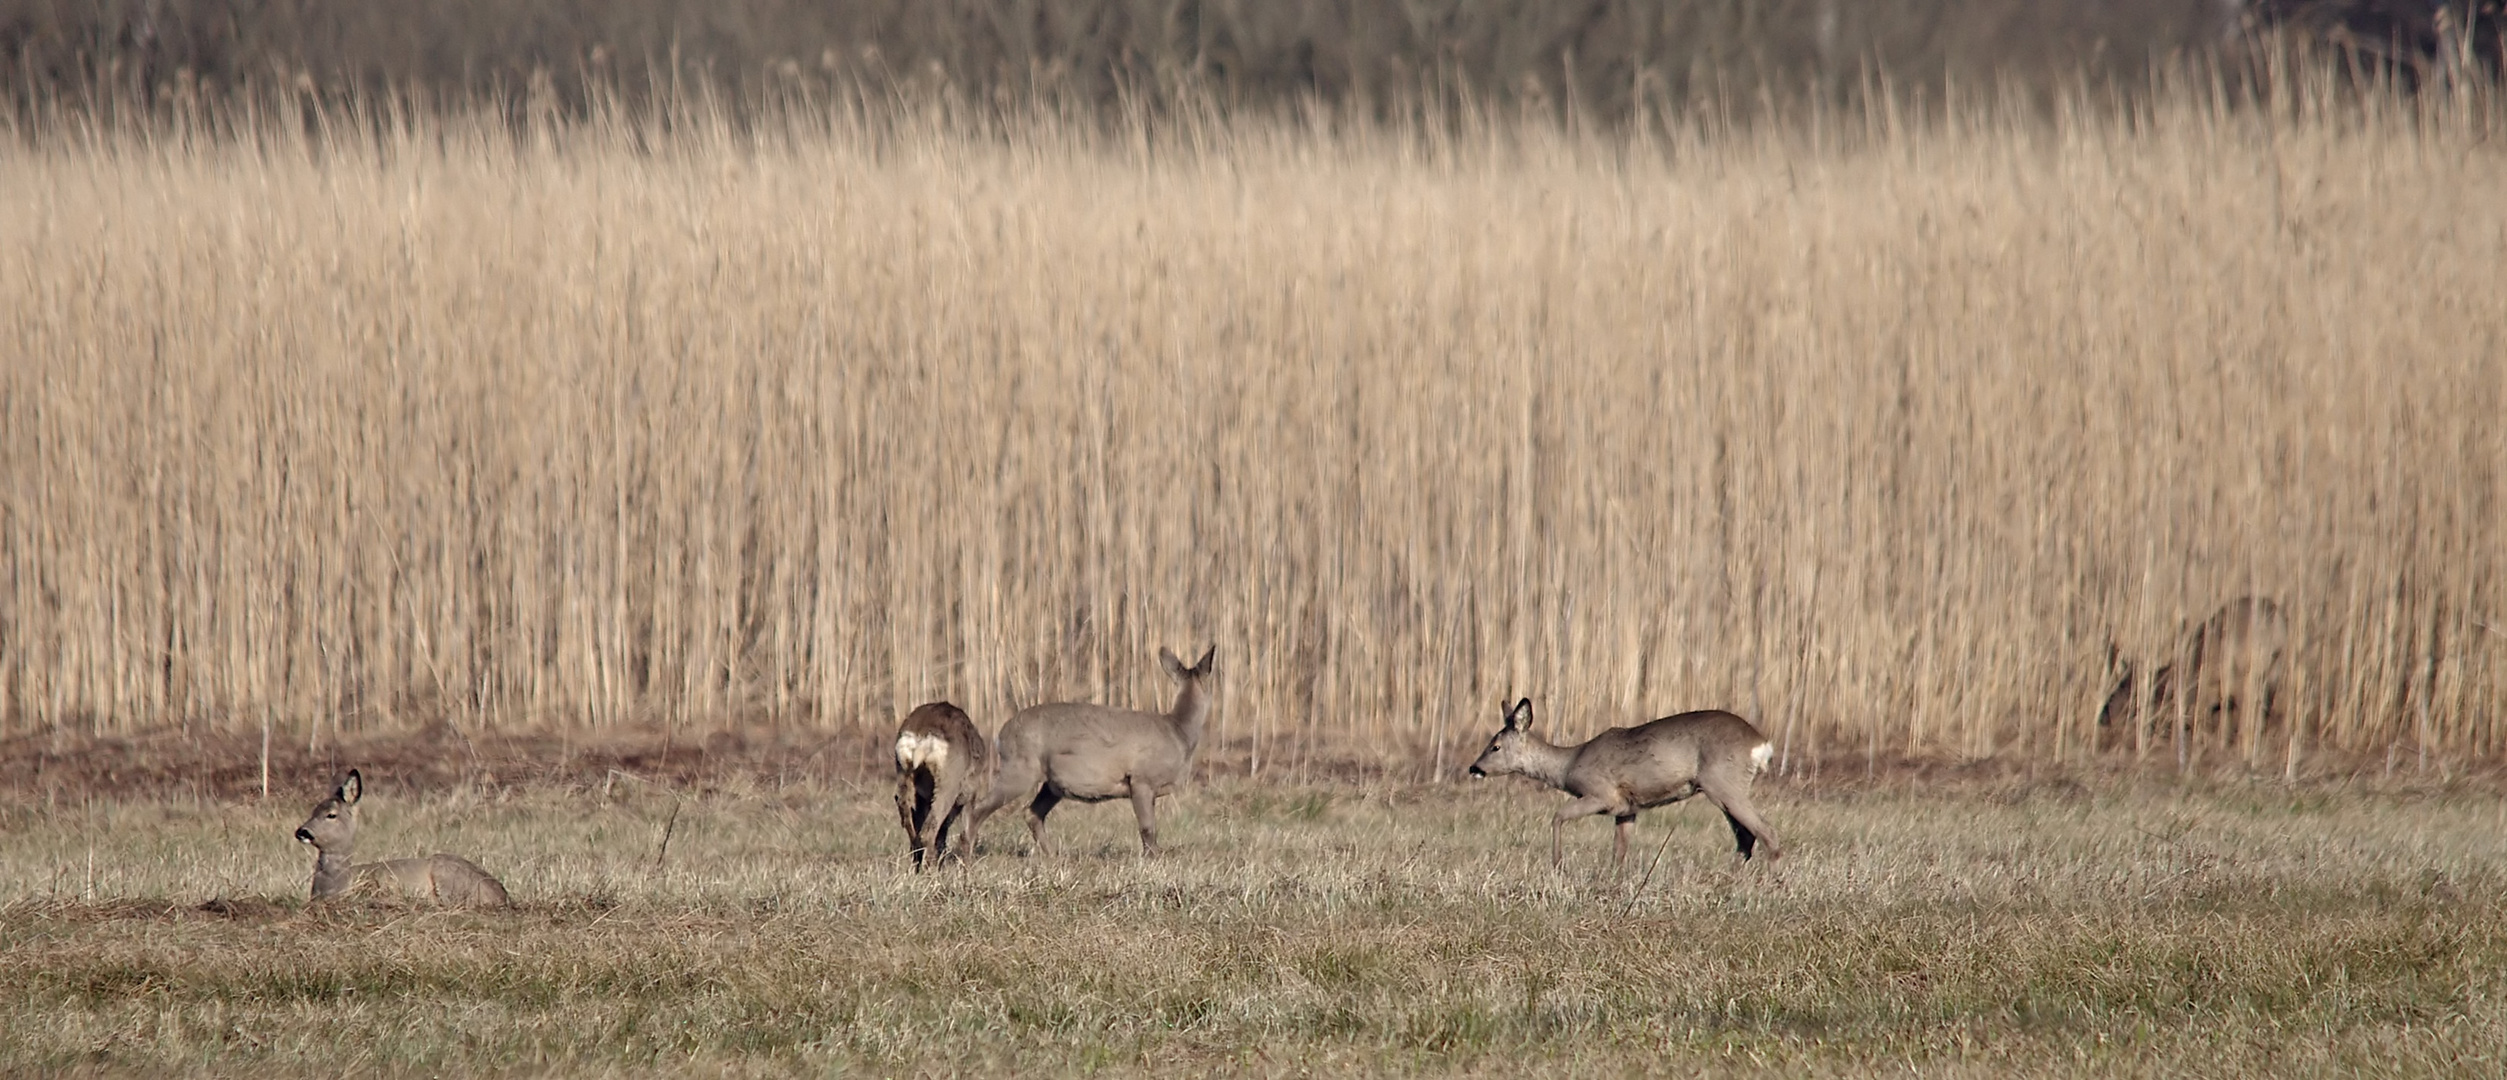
(1584, 807)
(905, 802)
(1619, 846)
(937, 809)
(1145, 808)
(914, 801)
(1036, 811)
(975, 816)
(959, 801)
(1748, 829)
(1744, 839)
(1013, 786)
(940, 848)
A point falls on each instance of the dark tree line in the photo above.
(1598, 59)
(2410, 41)
(1604, 57)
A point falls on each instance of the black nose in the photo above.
(1475, 771)
(303, 837)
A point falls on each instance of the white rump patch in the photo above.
(1761, 754)
(921, 751)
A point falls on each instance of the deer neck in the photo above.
(1192, 707)
(1545, 762)
(332, 873)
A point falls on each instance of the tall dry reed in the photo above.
(1882, 432)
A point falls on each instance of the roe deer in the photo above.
(445, 879)
(943, 765)
(1624, 770)
(1092, 753)
(2235, 657)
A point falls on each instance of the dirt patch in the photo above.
(246, 909)
(226, 765)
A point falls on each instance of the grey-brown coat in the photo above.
(1624, 770)
(944, 764)
(2236, 657)
(442, 879)
(1091, 753)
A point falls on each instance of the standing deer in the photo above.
(1625, 770)
(445, 879)
(943, 766)
(2235, 657)
(1092, 753)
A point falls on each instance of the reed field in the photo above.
(2241, 929)
(1882, 428)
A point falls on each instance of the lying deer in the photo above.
(1624, 770)
(444, 879)
(943, 766)
(1091, 753)
(2236, 657)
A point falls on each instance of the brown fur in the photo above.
(1624, 770)
(1091, 753)
(944, 764)
(2236, 657)
(443, 879)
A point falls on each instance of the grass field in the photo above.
(2058, 926)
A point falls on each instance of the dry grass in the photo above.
(2003, 929)
(1879, 432)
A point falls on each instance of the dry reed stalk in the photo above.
(1880, 439)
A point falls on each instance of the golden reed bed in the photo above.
(1883, 433)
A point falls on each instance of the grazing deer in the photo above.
(1624, 770)
(943, 766)
(2235, 657)
(445, 879)
(1092, 753)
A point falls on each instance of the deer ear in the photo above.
(1519, 718)
(351, 788)
(1167, 660)
(1202, 667)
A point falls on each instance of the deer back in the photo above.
(2241, 643)
(938, 738)
(1091, 751)
(1662, 761)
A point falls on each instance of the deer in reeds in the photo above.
(2234, 659)
(1092, 753)
(443, 879)
(1624, 770)
(944, 764)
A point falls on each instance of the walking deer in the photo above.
(1625, 770)
(1091, 753)
(943, 766)
(2235, 657)
(444, 879)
